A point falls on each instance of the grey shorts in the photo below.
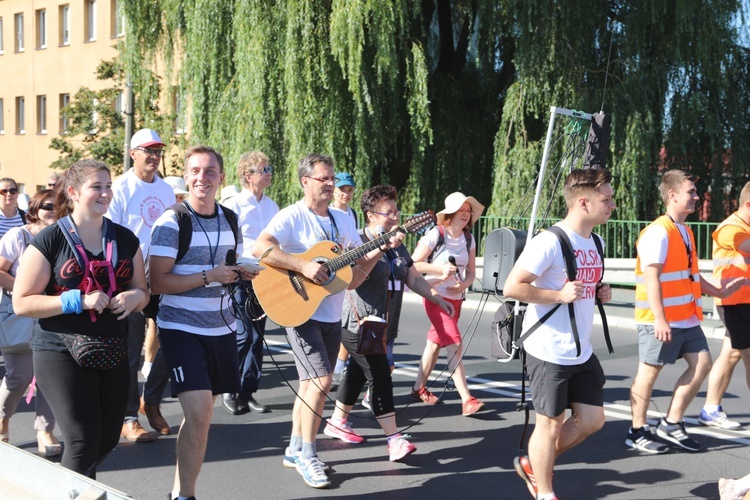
(684, 341)
(554, 387)
(315, 345)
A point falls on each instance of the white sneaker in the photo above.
(312, 472)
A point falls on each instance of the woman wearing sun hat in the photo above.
(446, 255)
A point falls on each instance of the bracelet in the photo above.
(383, 249)
(205, 281)
(71, 302)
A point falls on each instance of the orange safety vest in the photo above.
(729, 263)
(681, 295)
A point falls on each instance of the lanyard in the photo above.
(687, 249)
(334, 228)
(211, 251)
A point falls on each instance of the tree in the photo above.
(443, 95)
(97, 125)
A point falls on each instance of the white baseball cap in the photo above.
(145, 138)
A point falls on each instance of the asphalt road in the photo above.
(457, 456)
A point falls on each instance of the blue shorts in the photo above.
(201, 362)
(657, 353)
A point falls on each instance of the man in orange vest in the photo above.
(731, 257)
(668, 313)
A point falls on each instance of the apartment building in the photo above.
(48, 50)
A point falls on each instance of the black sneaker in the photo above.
(675, 433)
(643, 440)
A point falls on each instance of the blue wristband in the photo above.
(71, 302)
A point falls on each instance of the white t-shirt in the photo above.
(652, 249)
(12, 246)
(253, 216)
(298, 229)
(137, 204)
(348, 212)
(453, 246)
(553, 341)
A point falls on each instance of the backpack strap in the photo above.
(231, 218)
(22, 214)
(572, 271)
(440, 243)
(599, 304)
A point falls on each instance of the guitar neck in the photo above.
(349, 257)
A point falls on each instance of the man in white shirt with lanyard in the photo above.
(315, 343)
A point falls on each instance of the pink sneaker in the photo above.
(400, 448)
(343, 431)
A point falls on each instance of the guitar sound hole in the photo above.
(324, 261)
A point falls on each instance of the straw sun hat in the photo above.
(454, 201)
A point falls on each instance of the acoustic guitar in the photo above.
(290, 299)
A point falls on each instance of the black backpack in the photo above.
(185, 231)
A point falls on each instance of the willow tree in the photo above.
(397, 92)
(435, 96)
(677, 89)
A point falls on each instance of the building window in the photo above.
(41, 114)
(64, 120)
(20, 115)
(2, 118)
(90, 21)
(41, 29)
(118, 18)
(65, 24)
(19, 33)
(1, 36)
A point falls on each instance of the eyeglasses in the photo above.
(264, 170)
(323, 180)
(390, 215)
(3, 192)
(151, 152)
(47, 206)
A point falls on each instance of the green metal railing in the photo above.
(620, 235)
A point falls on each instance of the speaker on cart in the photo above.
(501, 249)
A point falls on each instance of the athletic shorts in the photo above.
(555, 387)
(315, 345)
(201, 362)
(444, 330)
(657, 353)
(737, 320)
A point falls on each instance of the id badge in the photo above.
(395, 286)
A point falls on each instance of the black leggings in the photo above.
(89, 406)
(361, 369)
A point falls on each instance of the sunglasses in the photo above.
(47, 206)
(151, 152)
(264, 170)
(8, 191)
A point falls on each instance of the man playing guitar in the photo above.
(315, 342)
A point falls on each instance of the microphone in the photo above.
(452, 260)
(231, 259)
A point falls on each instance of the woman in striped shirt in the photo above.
(10, 216)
